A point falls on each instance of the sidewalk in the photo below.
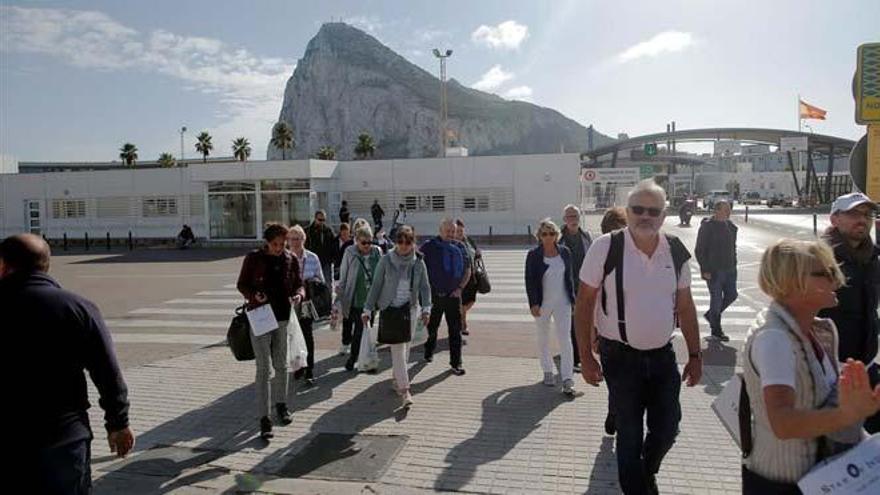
(494, 430)
(797, 225)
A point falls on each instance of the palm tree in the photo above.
(204, 145)
(326, 153)
(365, 146)
(166, 160)
(128, 154)
(282, 138)
(241, 149)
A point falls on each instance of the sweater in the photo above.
(387, 277)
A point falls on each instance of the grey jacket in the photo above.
(349, 269)
(386, 279)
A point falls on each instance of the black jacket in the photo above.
(535, 268)
(321, 241)
(716, 245)
(856, 312)
(56, 336)
(578, 243)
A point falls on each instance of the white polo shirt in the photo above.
(649, 289)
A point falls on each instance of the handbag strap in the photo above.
(366, 271)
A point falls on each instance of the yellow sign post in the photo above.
(872, 179)
(866, 91)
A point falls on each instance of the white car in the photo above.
(713, 196)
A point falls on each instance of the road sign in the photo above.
(589, 175)
(651, 149)
(646, 171)
(793, 143)
(864, 163)
(867, 84)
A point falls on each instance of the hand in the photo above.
(334, 316)
(295, 300)
(536, 311)
(857, 400)
(365, 318)
(260, 297)
(121, 441)
(693, 371)
(426, 317)
(591, 370)
(707, 276)
(456, 293)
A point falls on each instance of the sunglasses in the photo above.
(365, 243)
(319, 220)
(548, 233)
(641, 210)
(404, 242)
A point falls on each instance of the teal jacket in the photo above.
(385, 282)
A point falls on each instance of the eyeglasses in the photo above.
(571, 216)
(404, 242)
(641, 210)
(547, 233)
(364, 243)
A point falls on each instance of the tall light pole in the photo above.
(444, 110)
(182, 131)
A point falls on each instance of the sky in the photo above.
(78, 79)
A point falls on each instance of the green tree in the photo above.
(326, 153)
(128, 153)
(282, 138)
(166, 160)
(204, 146)
(241, 149)
(365, 146)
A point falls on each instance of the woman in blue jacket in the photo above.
(550, 289)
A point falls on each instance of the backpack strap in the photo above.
(614, 262)
(680, 255)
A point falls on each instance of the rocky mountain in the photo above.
(348, 82)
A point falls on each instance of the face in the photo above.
(447, 231)
(459, 232)
(404, 247)
(345, 235)
(319, 219)
(645, 214)
(296, 241)
(364, 245)
(275, 246)
(548, 237)
(572, 219)
(722, 212)
(821, 287)
(854, 224)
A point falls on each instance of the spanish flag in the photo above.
(808, 111)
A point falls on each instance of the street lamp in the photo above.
(444, 110)
(182, 131)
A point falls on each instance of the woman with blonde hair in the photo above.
(806, 407)
(550, 289)
(310, 268)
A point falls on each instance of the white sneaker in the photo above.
(344, 349)
(568, 388)
(549, 380)
(407, 399)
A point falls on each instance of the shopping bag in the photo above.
(420, 335)
(857, 471)
(726, 407)
(298, 353)
(239, 336)
(368, 357)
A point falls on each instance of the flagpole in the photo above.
(800, 121)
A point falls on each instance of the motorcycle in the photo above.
(685, 213)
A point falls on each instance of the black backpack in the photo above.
(614, 262)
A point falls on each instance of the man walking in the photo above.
(856, 312)
(578, 241)
(68, 338)
(651, 269)
(716, 255)
(344, 214)
(321, 241)
(448, 272)
(377, 213)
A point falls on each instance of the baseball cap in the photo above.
(850, 201)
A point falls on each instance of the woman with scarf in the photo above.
(400, 284)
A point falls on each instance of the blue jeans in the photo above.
(722, 293)
(65, 469)
(641, 382)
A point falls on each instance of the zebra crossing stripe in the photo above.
(148, 323)
(183, 311)
(165, 338)
(225, 302)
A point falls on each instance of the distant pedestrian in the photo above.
(448, 274)
(320, 241)
(614, 219)
(343, 240)
(344, 214)
(549, 286)
(716, 254)
(578, 241)
(378, 214)
(65, 338)
(398, 219)
(642, 278)
(805, 406)
(310, 270)
(186, 237)
(855, 315)
(356, 277)
(400, 284)
(271, 275)
(469, 293)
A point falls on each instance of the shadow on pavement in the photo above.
(508, 417)
(722, 359)
(152, 255)
(603, 477)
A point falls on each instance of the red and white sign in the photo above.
(589, 174)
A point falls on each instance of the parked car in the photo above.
(779, 200)
(752, 198)
(715, 195)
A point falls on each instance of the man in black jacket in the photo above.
(321, 241)
(578, 241)
(856, 312)
(65, 336)
(716, 254)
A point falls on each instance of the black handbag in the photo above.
(318, 293)
(395, 325)
(238, 337)
(482, 277)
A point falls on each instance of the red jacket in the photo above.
(253, 270)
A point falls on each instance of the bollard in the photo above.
(529, 227)
(815, 225)
(108, 241)
(490, 235)
(130, 242)
(747, 213)
(87, 241)
(65, 241)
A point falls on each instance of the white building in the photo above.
(232, 201)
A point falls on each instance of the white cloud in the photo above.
(370, 24)
(523, 93)
(667, 41)
(249, 87)
(493, 79)
(507, 35)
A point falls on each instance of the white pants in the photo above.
(561, 315)
(399, 357)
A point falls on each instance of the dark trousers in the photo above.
(722, 293)
(306, 325)
(641, 382)
(451, 307)
(755, 484)
(356, 332)
(347, 323)
(65, 470)
(574, 344)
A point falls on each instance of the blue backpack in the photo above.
(445, 263)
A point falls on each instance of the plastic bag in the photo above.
(297, 352)
(420, 335)
(368, 356)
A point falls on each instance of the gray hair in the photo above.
(364, 232)
(447, 221)
(647, 186)
(572, 208)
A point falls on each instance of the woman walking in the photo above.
(310, 268)
(399, 284)
(355, 279)
(469, 293)
(550, 289)
(271, 275)
(806, 408)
